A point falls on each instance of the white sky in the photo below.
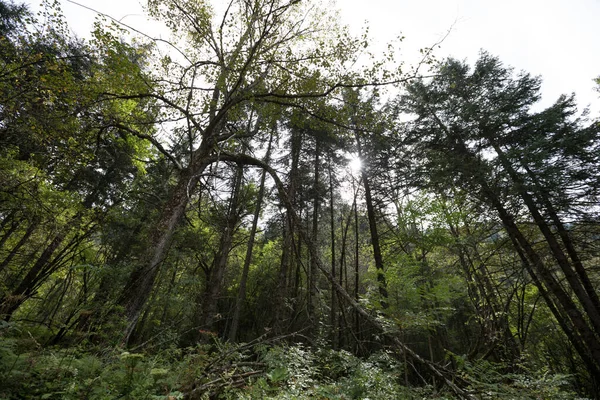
(557, 39)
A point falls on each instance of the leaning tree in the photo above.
(477, 130)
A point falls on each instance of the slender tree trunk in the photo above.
(287, 253)
(495, 324)
(580, 290)
(214, 286)
(241, 297)
(455, 384)
(38, 272)
(9, 218)
(542, 195)
(563, 320)
(102, 302)
(312, 271)
(543, 275)
(15, 250)
(343, 270)
(356, 268)
(334, 311)
(373, 230)
(13, 227)
(163, 316)
(582, 333)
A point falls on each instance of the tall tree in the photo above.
(265, 51)
(363, 118)
(241, 296)
(60, 148)
(476, 129)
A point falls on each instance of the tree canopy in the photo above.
(178, 217)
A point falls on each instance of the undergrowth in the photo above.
(217, 370)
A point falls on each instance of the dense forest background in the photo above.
(259, 207)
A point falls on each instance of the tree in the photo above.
(271, 51)
(134, 184)
(476, 130)
(241, 297)
(66, 159)
(367, 125)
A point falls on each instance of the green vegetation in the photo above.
(245, 371)
(178, 220)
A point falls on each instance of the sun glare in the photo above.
(355, 163)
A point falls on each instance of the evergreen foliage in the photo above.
(183, 223)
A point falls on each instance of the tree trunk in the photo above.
(15, 250)
(38, 272)
(541, 194)
(312, 271)
(334, 312)
(373, 230)
(454, 383)
(141, 281)
(13, 227)
(544, 276)
(582, 335)
(214, 285)
(356, 266)
(495, 324)
(582, 290)
(287, 253)
(241, 297)
(344, 228)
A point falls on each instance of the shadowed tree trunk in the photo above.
(43, 267)
(15, 250)
(288, 256)
(455, 384)
(14, 225)
(47, 263)
(576, 277)
(241, 297)
(214, 284)
(141, 281)
(312, 271)
(373, 227)
(567, 312)
(334, 311)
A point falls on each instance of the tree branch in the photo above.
(152, 140)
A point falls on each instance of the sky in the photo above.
(556, 39)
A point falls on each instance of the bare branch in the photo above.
(119, 22)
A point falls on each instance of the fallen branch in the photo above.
(222, 371)
(214, 386)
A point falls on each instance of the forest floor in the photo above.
(258, 370)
